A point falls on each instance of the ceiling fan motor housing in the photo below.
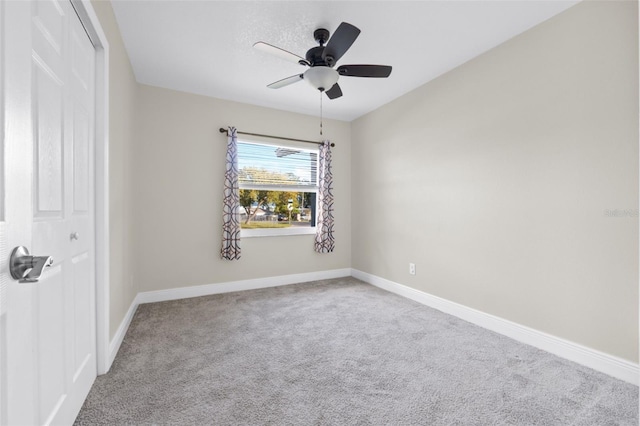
(315, 56)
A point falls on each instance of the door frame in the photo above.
(94, 30)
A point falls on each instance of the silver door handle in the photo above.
(21, 262)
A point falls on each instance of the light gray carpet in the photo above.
(339, 352)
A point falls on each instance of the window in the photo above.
(278, 186)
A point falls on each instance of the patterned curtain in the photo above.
(324, 227)
(231, 221)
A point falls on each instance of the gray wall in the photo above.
(496, 178)
(178, 180)
(122, 114)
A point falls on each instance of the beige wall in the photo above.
(178, 179)
(496, 177)
(122, 113)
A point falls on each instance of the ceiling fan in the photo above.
(322, 58)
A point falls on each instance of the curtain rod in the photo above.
(275, 137)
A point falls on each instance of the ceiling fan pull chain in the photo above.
(320, 113)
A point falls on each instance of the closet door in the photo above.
(48, 325)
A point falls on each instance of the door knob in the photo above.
(21, 262)
(74, 236)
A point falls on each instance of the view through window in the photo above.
(278, 186)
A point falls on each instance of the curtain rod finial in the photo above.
(222, 130)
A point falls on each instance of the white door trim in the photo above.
(90, 21)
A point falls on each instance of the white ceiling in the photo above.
(205, 47)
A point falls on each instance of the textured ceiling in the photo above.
(205, 47)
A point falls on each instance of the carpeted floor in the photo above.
(339, 352)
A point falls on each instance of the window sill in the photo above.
(276, 232)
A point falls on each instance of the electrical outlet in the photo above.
(412, 268)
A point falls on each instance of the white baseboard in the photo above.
(228, 287)
(114, 345)
(605, 363)
(599, 361)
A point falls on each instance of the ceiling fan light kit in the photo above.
(321, 78)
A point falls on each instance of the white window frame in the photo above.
(277, 232)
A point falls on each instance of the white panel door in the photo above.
(48, 356)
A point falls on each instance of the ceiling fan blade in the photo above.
(340, 42)
(285, 81)
(334, 92)
(380, 71)
(281, 53)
